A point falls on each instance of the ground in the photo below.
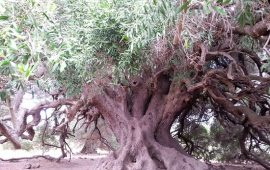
(78, 162)
(83, 162)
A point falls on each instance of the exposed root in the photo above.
(50, 158)
(142, 152)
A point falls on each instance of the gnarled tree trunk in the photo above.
(91, 143)
(141, 151)
(141, 118)
(100, 138)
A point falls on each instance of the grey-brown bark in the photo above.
(99, 138)
(141, 151)
(12, 133)
(141, 120)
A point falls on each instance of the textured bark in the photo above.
(259, 29)
(10, 134)
(141, 151)
(141, 120)
(96, 140)
(90, 145)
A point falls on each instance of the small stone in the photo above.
(36, 166)
(28, 166)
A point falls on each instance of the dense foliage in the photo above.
(79, 38)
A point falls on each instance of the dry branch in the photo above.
(33, 157)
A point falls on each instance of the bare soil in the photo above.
(86, 162)
(77, 163)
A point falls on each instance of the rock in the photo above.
(35, 166)
(28, 166)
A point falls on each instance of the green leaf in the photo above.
(145, 9)
(163, 4)
(47, 17)
(13, 45)
(186, 43)
(162, 10)
(28, 72)
(56, 64)
(125, 38)
(223, 2)
(32, 2)
(184, 6)
(2, 17)
(38, 83)
(20, 68)
(3, 95)
(245, 17)
(206, 8)
(241, 19)
(219, 10)
(4, 63)
(18, 85)
(63, 65)
(226, 2)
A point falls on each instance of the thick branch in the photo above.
(10, 135)
(259, 29)
(140, 98)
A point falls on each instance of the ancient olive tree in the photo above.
(211, 61)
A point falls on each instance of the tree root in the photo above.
(50, 158)
(145, 154)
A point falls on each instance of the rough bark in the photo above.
(261, 28)
(10, 134)
(89, 146)
(141, 151)
(141, 122)
(96, 140)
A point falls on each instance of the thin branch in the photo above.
(265, 46)
(50, 158)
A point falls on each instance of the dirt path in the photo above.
(76, 163)
(87, 162)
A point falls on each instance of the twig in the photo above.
(265, 45)
(50, 158)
